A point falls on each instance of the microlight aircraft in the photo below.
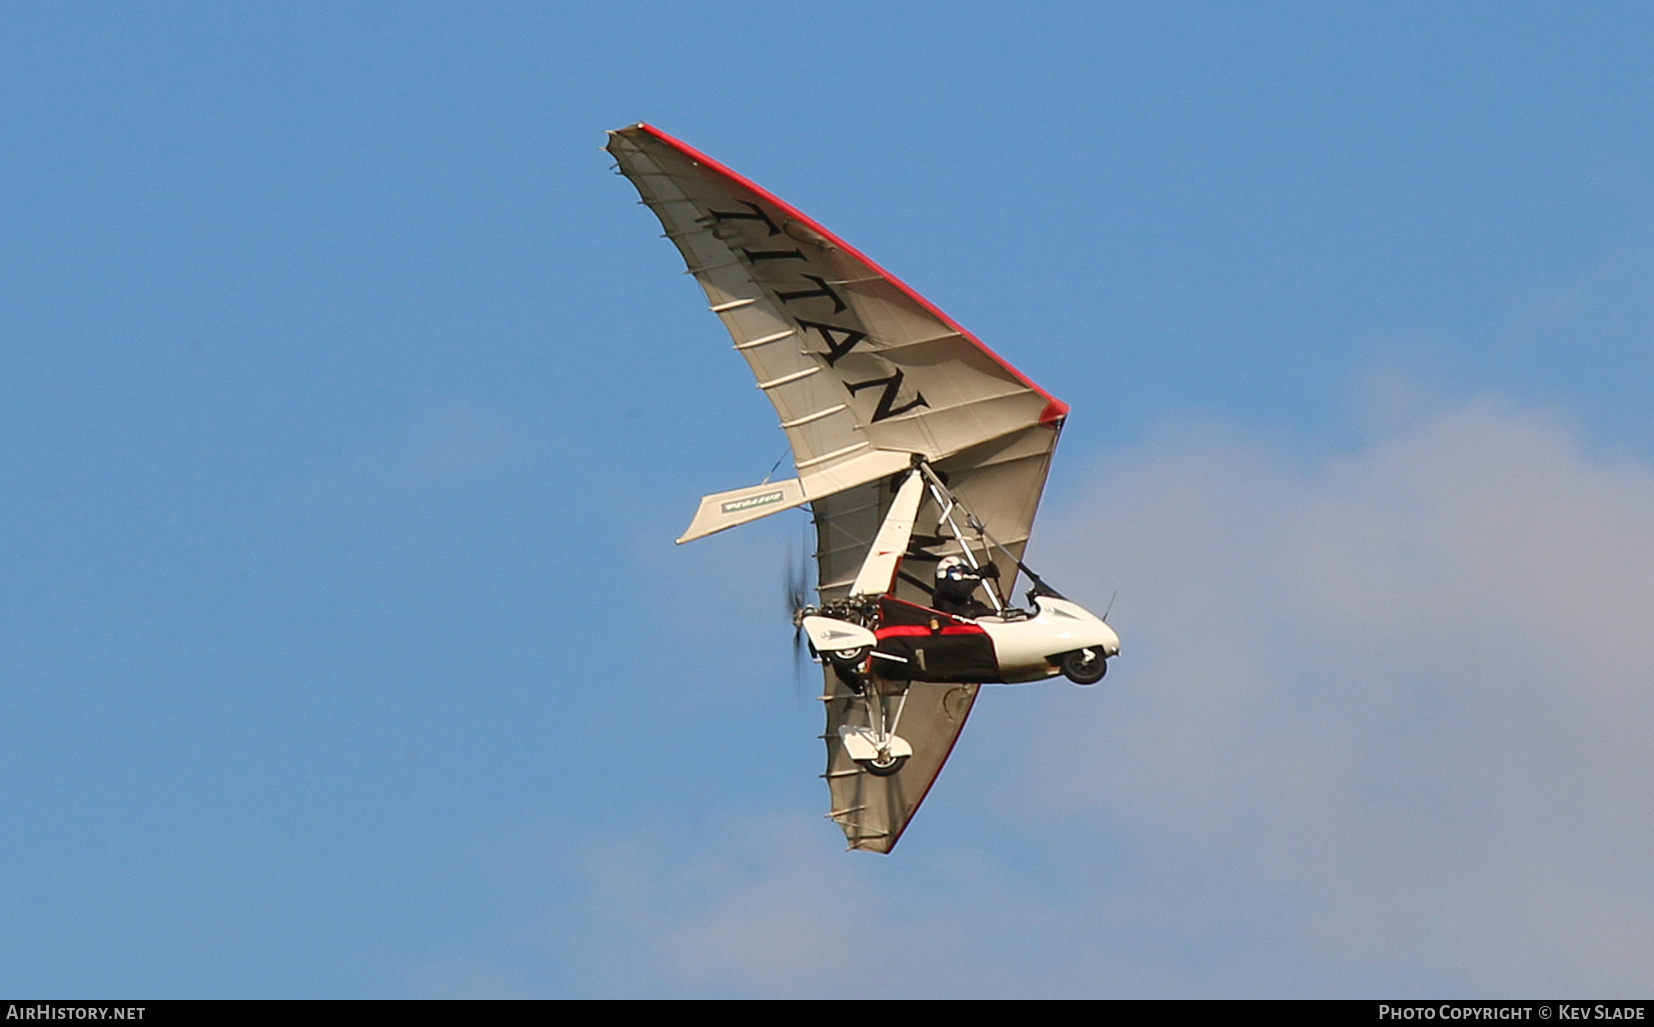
(921, 455)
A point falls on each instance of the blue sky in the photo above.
(350, 407)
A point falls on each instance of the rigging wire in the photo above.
(777, 463)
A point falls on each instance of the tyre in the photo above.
(1085, 666)
(848, 657)
(883, 767)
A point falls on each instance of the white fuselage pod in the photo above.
(1025, 648)
(830, 635)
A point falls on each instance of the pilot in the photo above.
(956, 583)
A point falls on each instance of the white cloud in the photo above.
(1410, 692)
(1384, 725)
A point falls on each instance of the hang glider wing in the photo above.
(865, 374)
(861, 369)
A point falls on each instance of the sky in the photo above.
(349, 407)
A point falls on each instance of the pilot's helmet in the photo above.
(952, 568)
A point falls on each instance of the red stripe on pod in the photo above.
(920, 630)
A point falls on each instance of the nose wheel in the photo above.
(1085, 666)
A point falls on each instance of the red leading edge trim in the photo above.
(1055, 409)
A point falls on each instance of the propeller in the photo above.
(796, 589)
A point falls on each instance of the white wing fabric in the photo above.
(864, 373)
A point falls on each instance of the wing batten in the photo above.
(799, 422)
(765, 340)
(788, 379)
(835, 454)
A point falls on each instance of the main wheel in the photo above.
(883, 766)
(1085, 666)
